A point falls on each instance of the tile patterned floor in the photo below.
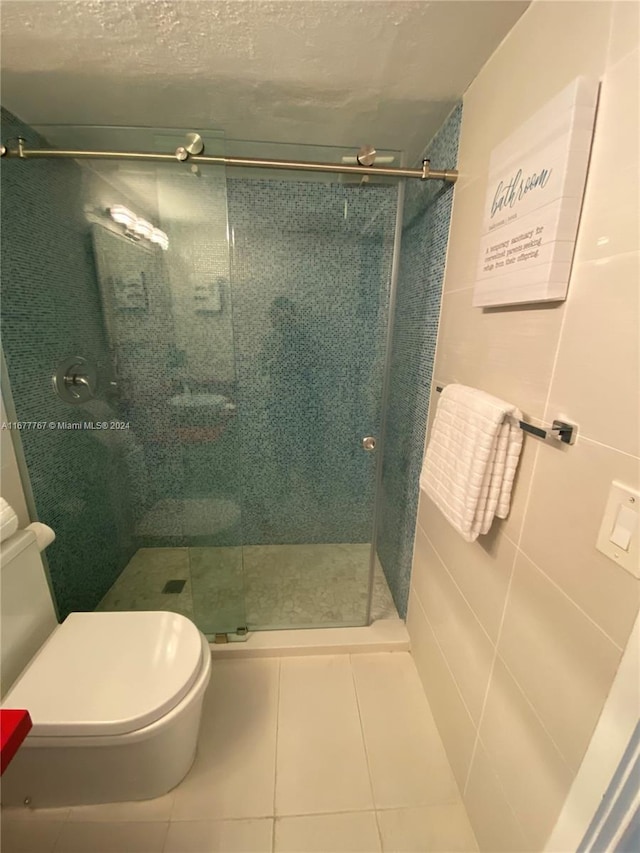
(263, 586)
(335, 754)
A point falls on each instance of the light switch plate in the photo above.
(620, 496)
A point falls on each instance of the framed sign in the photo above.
(534, 195)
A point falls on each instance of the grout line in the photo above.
(275, 761)
(537, 715)
(366, 751)
(166, 837)
(493, 664)
(325, 814)
(453, 580)
(569, 599)
(59, 834)
(589, 440)
(565, 594)
(446, 662)
(498, 782)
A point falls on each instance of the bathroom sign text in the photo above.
(532, 206)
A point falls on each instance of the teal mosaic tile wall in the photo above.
(426, 216)
(50, 310)
(311, 270)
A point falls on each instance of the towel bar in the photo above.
(560, 430)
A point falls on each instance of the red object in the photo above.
(14, 727)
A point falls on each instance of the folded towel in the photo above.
(8, 520)
(471, 459)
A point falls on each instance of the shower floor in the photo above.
(262, 586)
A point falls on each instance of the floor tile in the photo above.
(321, 764)
(429, 829)
(29, 836)
(352, 832)
(407, 760)
(146, 810)
(220, 836)
(233, 774)
(95, 837)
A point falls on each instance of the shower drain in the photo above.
(174, 586)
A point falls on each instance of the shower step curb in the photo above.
(385, 635)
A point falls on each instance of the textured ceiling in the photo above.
(316, 72)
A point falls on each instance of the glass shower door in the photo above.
(168, 316)
(193, 204)
(311, 264)
(248, 389)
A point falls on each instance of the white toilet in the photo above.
(115, 698)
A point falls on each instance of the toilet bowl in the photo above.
(115, 700)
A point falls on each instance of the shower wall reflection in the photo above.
(174, 358)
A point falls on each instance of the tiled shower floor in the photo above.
(262, 586)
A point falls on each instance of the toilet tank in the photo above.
(26, 607)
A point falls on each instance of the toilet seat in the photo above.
(102, 674)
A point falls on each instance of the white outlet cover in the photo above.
(620, 496)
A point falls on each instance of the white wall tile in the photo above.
(547, 48)
(508, 352)
(578, 359)
(597, 375)
(608, 228)
(452, 717)
(465, 645)
(496, 827)
(466, 230)
(616, 134)
(481, 569)
(625, 29)
(561, 660)
(530, 770)
(568, 497)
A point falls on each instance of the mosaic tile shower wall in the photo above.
(311, 267)
(426, 216)
(50, 310)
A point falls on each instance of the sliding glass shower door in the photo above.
(167, 309)
(311, 267)
(244, 319)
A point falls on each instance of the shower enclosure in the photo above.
(239, 339)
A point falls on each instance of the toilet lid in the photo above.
(108, 673)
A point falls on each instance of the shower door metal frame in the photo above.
(386, 388)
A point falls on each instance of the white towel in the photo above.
(8, 520)
(471, 459)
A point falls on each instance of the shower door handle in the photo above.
(369, 443)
